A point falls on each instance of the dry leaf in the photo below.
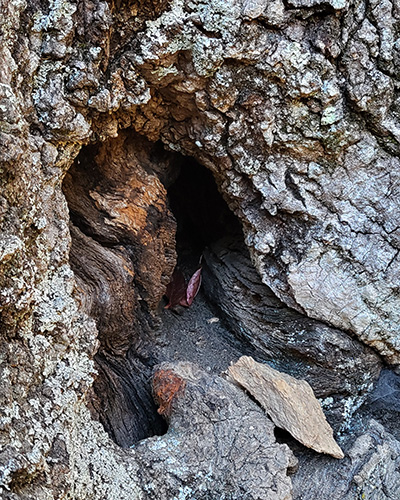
(193, 287)
(179, 293)
(176, 290)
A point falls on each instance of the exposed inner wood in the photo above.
(136, 212)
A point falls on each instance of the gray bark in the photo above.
(294, 108)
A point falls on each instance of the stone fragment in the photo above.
(289, 402)
(216, 431)
(166, 387)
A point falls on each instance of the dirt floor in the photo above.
(198, 334)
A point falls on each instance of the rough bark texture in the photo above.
(369, 470)
(294, 107)
(340, 369)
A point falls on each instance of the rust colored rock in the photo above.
(289, 402)
(167, 385)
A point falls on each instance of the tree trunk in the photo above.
(256, 139)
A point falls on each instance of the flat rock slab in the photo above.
(290, 403)
(219, 443)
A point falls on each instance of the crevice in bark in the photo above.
(121, 196)
(125, 245)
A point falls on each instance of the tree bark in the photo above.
(262, 135)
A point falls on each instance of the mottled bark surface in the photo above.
(294, 108)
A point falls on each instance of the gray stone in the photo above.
(218, 440)
(369, 470)
(290, 403)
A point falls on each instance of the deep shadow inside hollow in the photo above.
(123, 254)
(202, 215)
(330, 360)
(114, 265)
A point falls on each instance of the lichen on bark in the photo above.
(294, 107)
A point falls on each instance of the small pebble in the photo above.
(212, 320)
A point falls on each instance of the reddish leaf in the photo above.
(193, 287)
(176, 290)
(183, 302)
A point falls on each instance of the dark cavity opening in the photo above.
(202, 215)
(123, 254)
(125, 244)
(201, 333)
